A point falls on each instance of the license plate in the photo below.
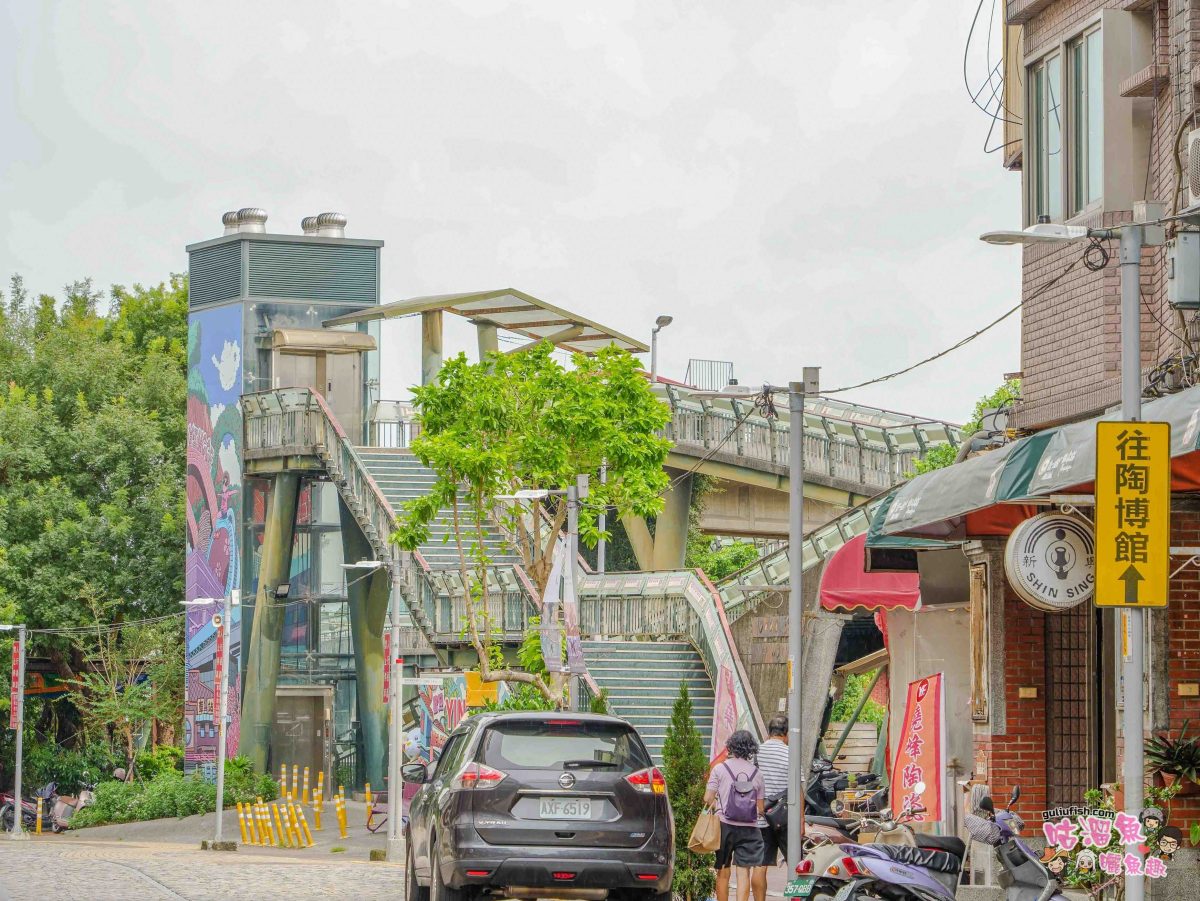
(565, 808)
(800, 887)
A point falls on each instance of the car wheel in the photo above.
(414, 891)
(438, 890)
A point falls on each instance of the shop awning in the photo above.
(1069, 460)
(846, 585)
(305, 340)
(983, 496)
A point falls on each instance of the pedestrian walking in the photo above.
(772, 761)
(736, 788)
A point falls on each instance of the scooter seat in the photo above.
(939, 861)
(850, 827)
(949, 843)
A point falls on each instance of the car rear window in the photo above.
(557, 744)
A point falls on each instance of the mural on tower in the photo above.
(214, 504)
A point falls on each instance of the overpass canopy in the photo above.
(511, 310)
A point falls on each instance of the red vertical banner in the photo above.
(387, 666)
(920, 766)
(14, 692)
(725, 713)
(218, 673)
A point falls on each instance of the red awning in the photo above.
(845, 585)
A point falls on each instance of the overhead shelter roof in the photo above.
(511, 310)
(990, 494)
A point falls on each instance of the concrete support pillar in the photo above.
(671, 527)
(431, 346)
(489, 340)
(262, 666)
(641, 540)
(368, 618)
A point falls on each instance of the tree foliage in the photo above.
(717, 559)
(944, 455)
(523, 421)
(92, 455)
(686, 773)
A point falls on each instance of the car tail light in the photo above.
(853, 868)
(563, 876)
(650, 782)
(647, 877)
(478, 873)
(804, 867)
(478, 777)
(564, 722)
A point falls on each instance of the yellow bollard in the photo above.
(308, 839)
(318, 806)
(368, 805)
(283, 780)
(242, 823)
(252, 823)
(293, 826)
(267, 831)
(283, 840)
(304, 793)
(321, 783)
(295, 782)
(340, 804)
(37, 829)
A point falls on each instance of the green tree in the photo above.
(686, 773)
(703, 550)
(523, 421)
(92, 457)
(944, 455)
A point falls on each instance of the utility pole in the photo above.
(797, 766)
(1132, 237)
(601, 523)
(395, 843)
(221, 661)
(17, 722)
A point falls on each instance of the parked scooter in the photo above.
(63, 807)
(822, 871)
(28, 808)
(1022, 874)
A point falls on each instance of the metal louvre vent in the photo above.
(314, 272)
(214, 275)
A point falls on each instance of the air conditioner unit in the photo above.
(1191, 168)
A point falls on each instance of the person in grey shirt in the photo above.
(772, 760)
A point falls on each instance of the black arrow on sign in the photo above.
(1131, 577)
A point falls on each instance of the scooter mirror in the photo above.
(1016, 794)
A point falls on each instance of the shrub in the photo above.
(148, 764)
(686, 774)
(48, 762)
(172, 794)
(856, 686)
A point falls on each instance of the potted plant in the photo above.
(1176, 758)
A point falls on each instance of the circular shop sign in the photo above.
(1050, 561)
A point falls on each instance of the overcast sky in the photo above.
(795, 182)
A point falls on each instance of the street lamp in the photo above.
(659, 324)
(220, 663)
(1133, 237)
(797, 767)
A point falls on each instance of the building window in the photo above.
(1046, 138)
(1087, 120)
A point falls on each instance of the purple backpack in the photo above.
(741, 806)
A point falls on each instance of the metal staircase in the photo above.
(643, 678)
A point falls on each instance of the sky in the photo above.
(796, 186)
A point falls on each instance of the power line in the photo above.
(107, 626)
(967, 340)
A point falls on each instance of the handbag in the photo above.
(706, 834)
(776, 811)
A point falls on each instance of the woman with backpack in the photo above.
(736, 791)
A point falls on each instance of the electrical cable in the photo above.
(106, 626)
(1045, 286)
(966, 78)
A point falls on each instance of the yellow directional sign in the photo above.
(1133, 513)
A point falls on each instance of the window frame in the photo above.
(1078, 118)
(1037, 81)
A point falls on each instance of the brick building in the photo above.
(1098, 96)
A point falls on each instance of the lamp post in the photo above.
(221, 665)
(659, 324)
(17, 722)
(1132, 237)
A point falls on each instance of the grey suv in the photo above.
(540, 805)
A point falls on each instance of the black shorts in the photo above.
(741, 846)
(772, 846)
